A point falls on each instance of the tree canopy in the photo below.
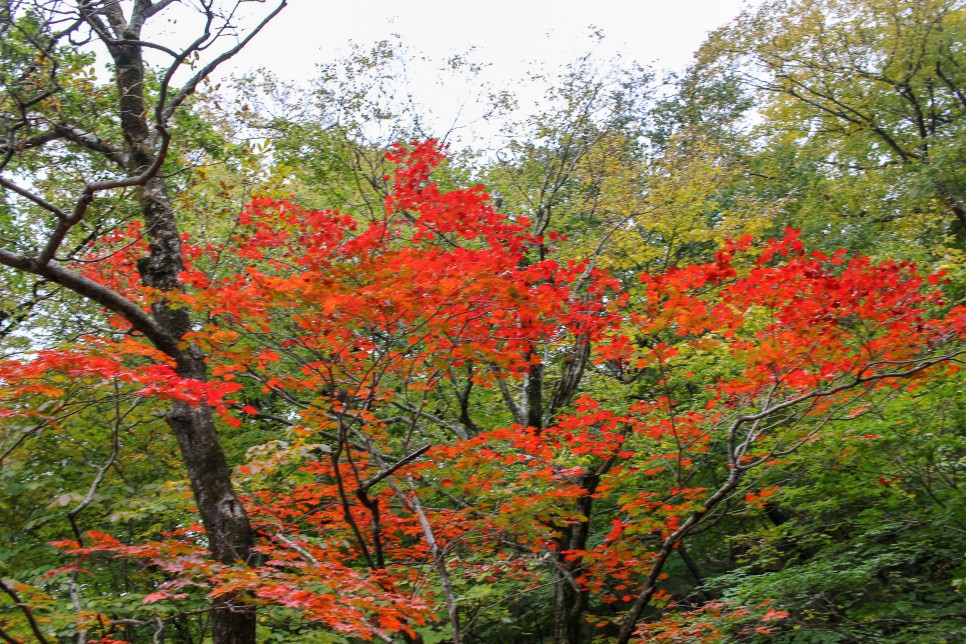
(674, 360)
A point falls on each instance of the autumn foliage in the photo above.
(374, 509)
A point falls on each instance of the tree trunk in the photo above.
(533, 392)
(230, 538)
(569, 605)
(570, 597)
(222, 514)
(137, 155)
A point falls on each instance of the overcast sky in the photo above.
(510, 35)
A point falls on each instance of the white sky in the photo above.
(509, 34)
(509, 38)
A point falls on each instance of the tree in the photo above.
(342, 335)
(861, 541)
(606, 460)
(863, 111)
(46, 88)
(456, 424)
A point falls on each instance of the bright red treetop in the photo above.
(345, 332)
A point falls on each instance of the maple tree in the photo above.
(372, 509)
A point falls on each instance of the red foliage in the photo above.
(345, 325)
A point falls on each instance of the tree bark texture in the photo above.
(222, 513)
(571, 598)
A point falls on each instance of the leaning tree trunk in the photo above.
(31, 122)
(222, 514)
(224, 518)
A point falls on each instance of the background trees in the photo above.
(870, 97)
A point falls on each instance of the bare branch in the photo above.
(164, 112)
(112, 300)
(86, 198)
(35, 141)
(156, 7)
(40, 201)
(6, 637)
(389, 471)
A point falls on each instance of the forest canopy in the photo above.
(672, 358)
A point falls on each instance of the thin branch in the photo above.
(439, 559)
(156, 7)
(35, 141)
(6, 637)
(26, 610)
(406, 460)
(36, 199)
(164, 112)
